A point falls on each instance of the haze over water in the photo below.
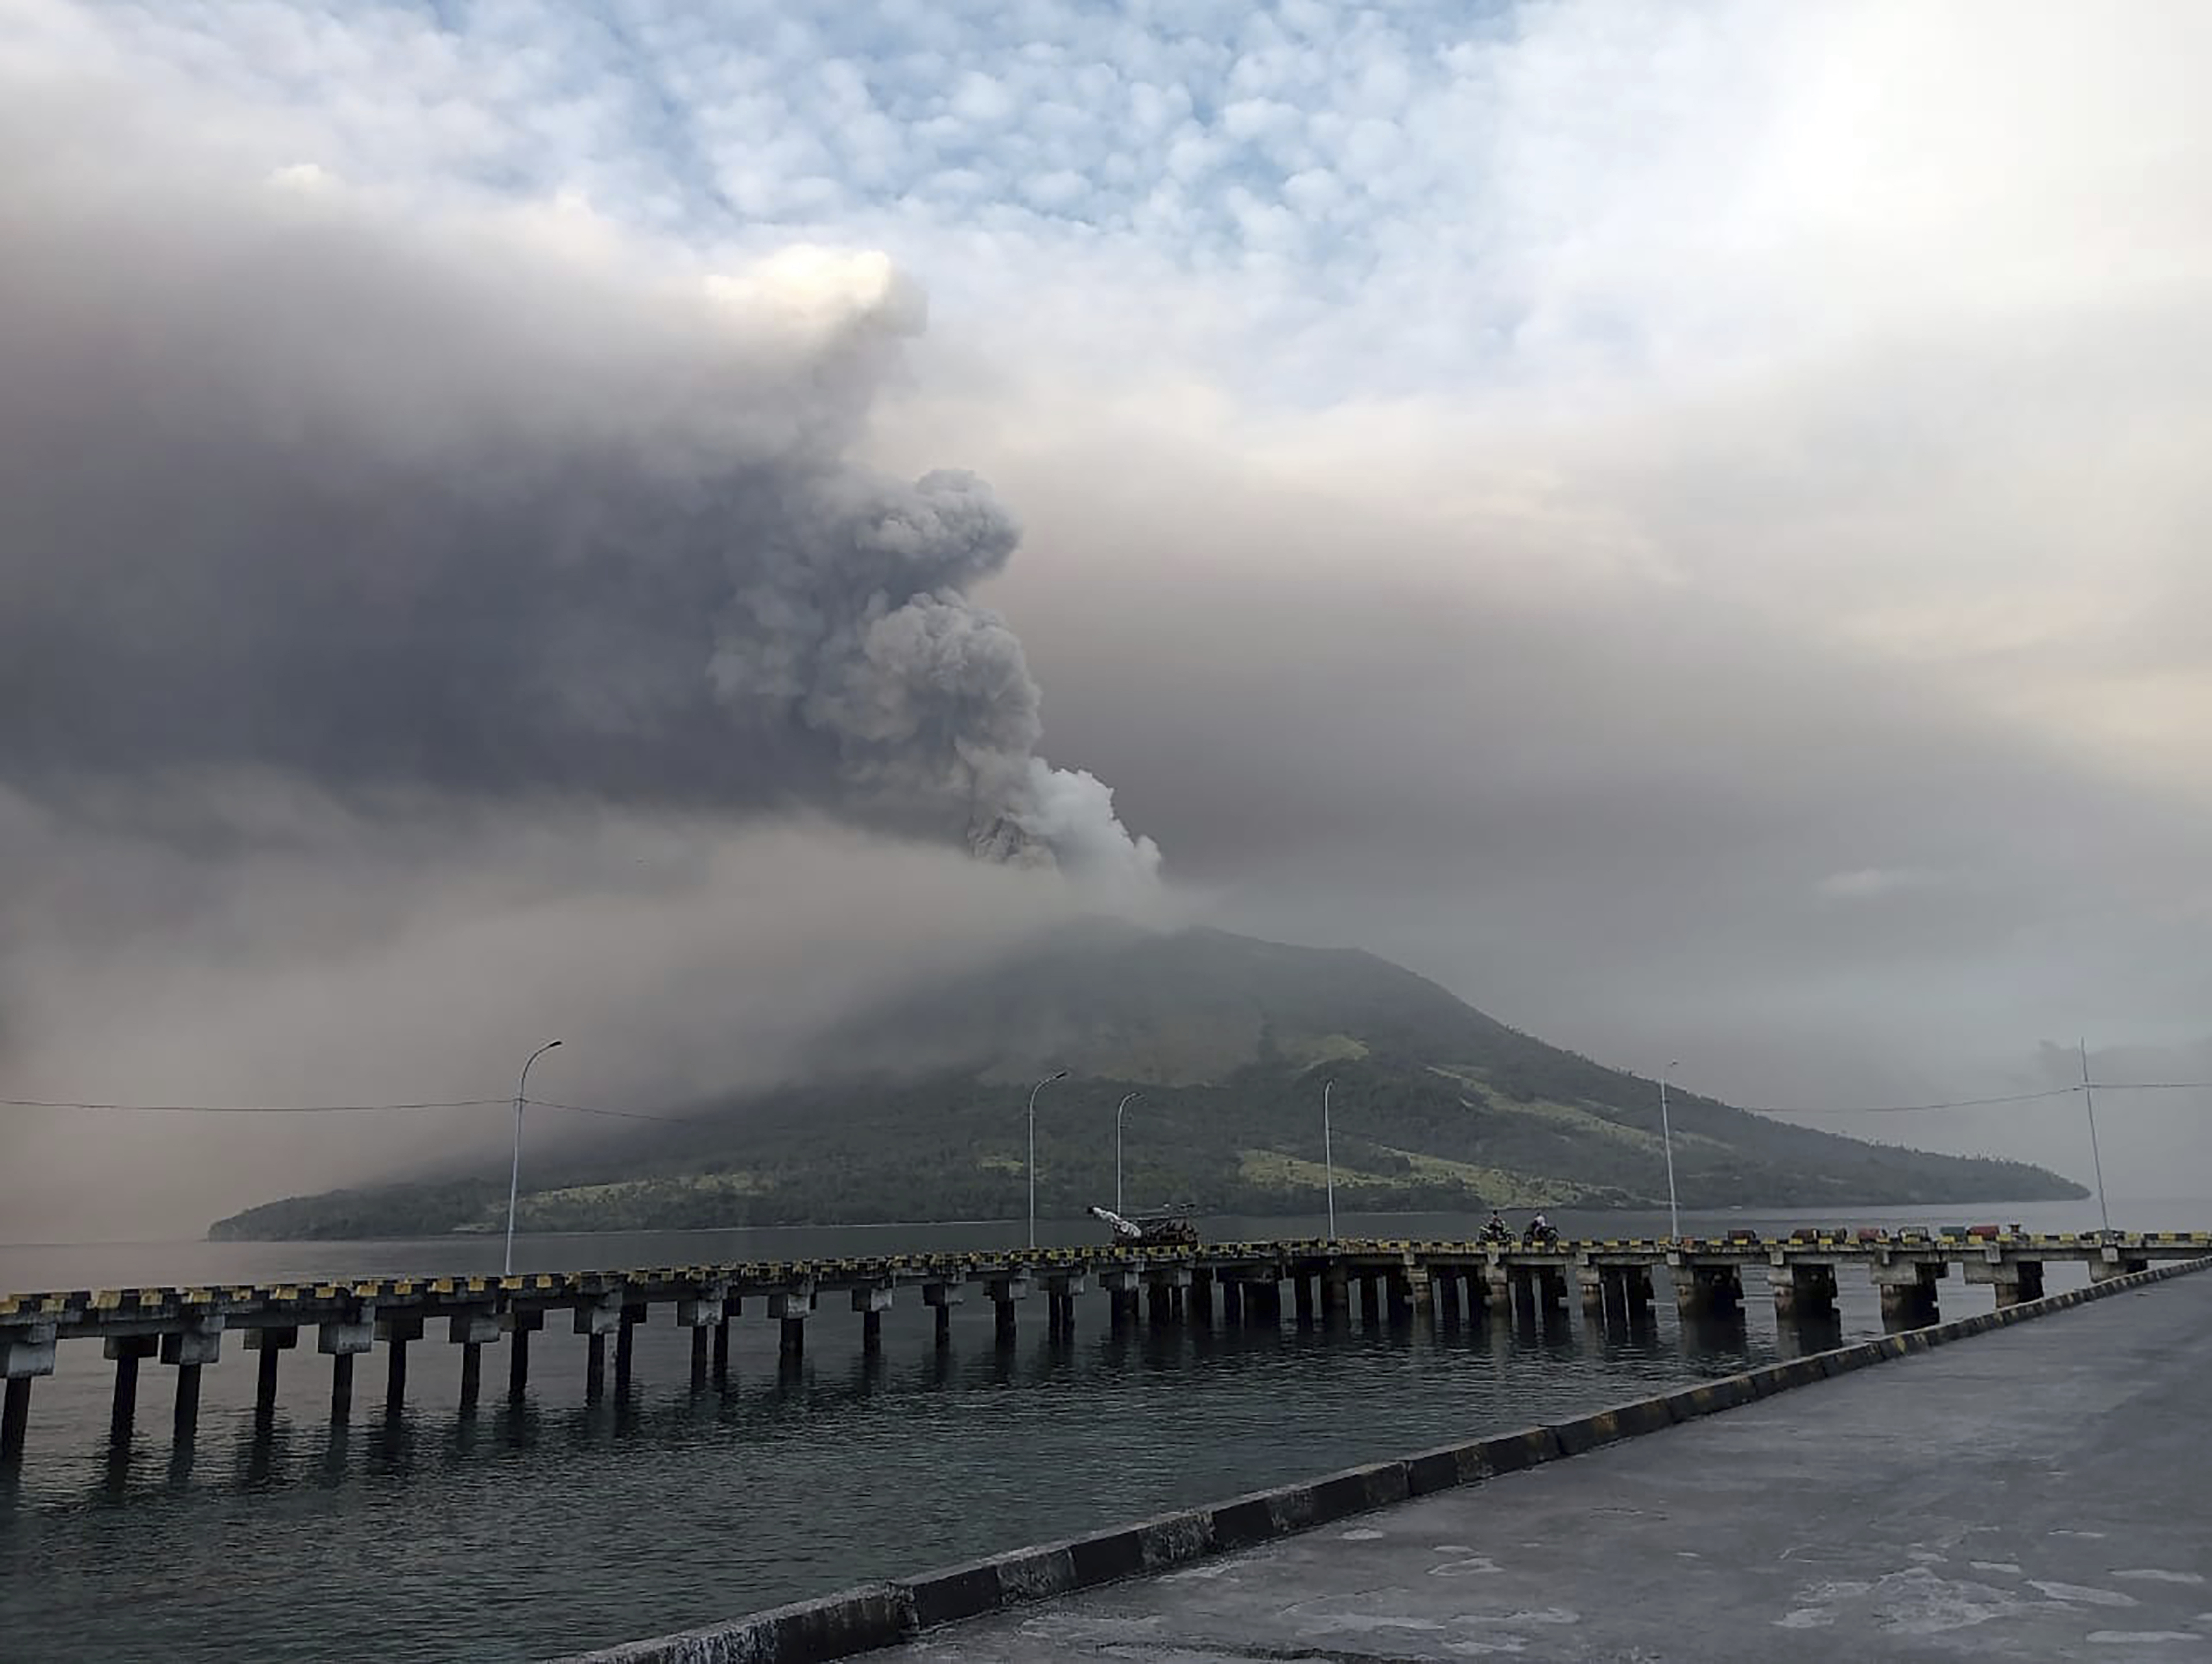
(517, 1534)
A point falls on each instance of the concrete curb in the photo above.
(875, 1615)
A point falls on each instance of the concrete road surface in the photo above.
(2037, 1492)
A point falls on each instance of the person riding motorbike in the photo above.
(1539, 1230)
(1495, 1229)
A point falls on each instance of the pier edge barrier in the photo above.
(872, 1615)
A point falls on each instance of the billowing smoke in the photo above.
(303, 484)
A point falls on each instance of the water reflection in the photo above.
(851, 1463)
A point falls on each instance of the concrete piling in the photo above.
(595, 1323)
(1707, 1288)
(722, 1338)
(271, 1344)
(789, 1309)
(126, 1351)
(188, 1418)
(14, 1418)
(1908, 1292)
(872, 1303)
(1802, 1290)
(398, 1331)
(522, 1322)
(626, 1347)
(183, 1328)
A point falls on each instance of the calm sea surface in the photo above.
(524, 1532)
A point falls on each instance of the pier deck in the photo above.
(183, 1329)
(2036, 1492)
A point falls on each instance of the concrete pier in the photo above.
(522, 1322)
(271, 1344)
(1893, 1512)
(14, 1417)
(1803, 1289)
(1241, 1281)
(126, 1351)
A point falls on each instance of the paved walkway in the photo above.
(2036, 1492)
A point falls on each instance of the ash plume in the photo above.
(309, 486)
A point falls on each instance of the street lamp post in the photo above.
(1034, 1090)
(2089, 1102)
(1667, 1138)
(1328, 1156)
(1120, 1109)
(514, 1175)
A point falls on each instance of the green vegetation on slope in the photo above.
(1436, 1106)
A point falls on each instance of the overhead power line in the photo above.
(619, 1114)
(686, 1121)
(1920, 1109)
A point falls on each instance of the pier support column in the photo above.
(272, 1344)
(342, 1342)
(1063, 1287)
(1336, 1292)
(1164, 1286)
(1446, 1296)
(1501, 1288)
(521, 1323)
(1802, 1290)
(595, 1323)
(1200, 1298)
(472, 1332)
(1398, 1293)
(1004, 1292)
(1232, 1304)
(626, 1346)
(942, 1298)
(699, 1312)
(2111, 1263)
(342, 1388)
(789, 1310)
(2027, 1282)
(1636, 1290)
(1589, 1283)
(398, 1332)
(1301, 1292)
(27, 1352)
(1908, 1292)
(871, 1303)
(1716, 1289)
(730, 1307)
(14, 1418)
(188, 1351)
(125, 1350)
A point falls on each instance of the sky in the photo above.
(1681, 522)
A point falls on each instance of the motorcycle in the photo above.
(1540, 1234)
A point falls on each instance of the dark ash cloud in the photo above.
(302, 484)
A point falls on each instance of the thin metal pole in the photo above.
(515, 1174)
(1667, 1138)
(2089, 1102)
(1328, 1156)
(1034, 1090)
(1119, 1110)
